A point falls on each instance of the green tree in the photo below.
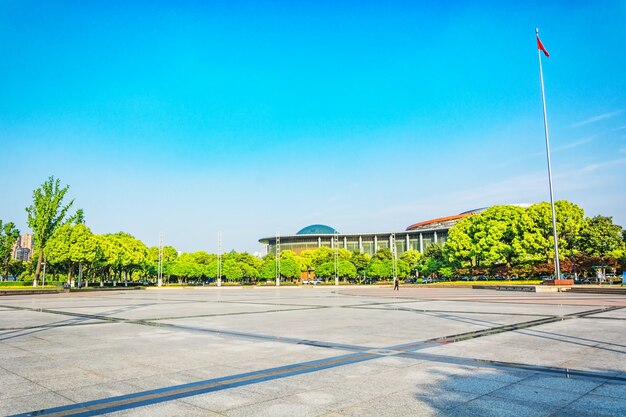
(538, 234)
(412, 259)
(8, 237)
(322, 255)
(600, 237)
(403, 270)
(345, 270)
(490, 238)
(383, 254)
(203, 258)
(69, 246)
(360, 261)
(378, 268)
(433, 259)
(325, 270)
(46, 214)
(17, 267)
(233, 270)
(124, 254)
(268, 270)
(289, 268)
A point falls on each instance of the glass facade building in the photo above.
(365, 242)
(416, 237)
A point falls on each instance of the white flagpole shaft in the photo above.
(557, 265)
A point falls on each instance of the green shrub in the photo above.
(16, 283)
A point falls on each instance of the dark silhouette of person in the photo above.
(396, 284)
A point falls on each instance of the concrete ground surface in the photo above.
(313, 351)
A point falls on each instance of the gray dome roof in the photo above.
(317, 229)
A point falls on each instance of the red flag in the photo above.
(541, 47)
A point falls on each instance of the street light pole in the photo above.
(43, 279)
(219, 259)
(336, 247)
(277, 259)
(160, 266)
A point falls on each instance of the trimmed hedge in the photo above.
(27, 283)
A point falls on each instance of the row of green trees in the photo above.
(514, 240)
(504, 240)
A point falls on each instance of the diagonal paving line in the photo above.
(97, 407)
(495, 330)
(221, 332)
(240, 313)
(420, 310)
(514, 366)
(121, 319)
(106, 405)
(488, 299)
(50, 326)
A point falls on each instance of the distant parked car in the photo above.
(317, 281)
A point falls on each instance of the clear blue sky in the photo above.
(194, 117)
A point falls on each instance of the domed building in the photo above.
(317, 229)
(417, 236)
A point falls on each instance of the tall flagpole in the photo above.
(557, 265)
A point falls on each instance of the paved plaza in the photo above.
(313, 351)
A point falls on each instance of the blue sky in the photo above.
(252, 118)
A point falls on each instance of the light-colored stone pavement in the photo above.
(352, 351)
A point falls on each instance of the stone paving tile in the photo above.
(12, 390)
(10, 378)
(163, 380)
(98, 391)
(472, 384)
(595, 405)
(165, 409)
(489, 406)
(579, 386)
(611, 390)
(400, 404)
(221, 401)
(288, 386)
(32, 402)
(330, 398)
(8, 351)
(131, 371)
(276, 408)
(501, 375)
(621, 313)
(536, 394)
(76, 379)
(42, 373)
(443, 399)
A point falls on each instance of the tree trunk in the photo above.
(6, 269)
(70, 273)
(38, 268)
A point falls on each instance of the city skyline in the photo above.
(256, 118)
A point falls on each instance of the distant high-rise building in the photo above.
(23, 248)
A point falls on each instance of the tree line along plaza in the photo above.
(507, 241)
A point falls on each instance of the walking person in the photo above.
(396, 284)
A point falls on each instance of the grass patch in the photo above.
(29, 287)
